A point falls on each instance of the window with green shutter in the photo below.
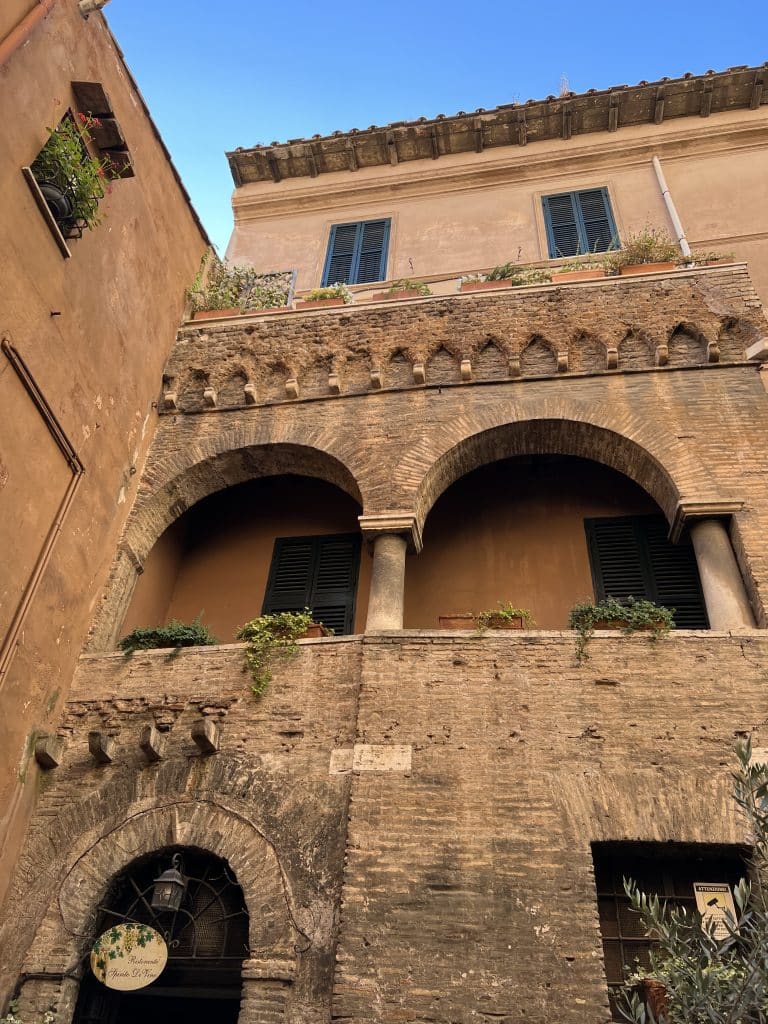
(631, 556)
(319, 573)
(357, 253)
(579, 223)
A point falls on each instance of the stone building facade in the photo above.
(420, 824)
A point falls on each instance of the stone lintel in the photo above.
(375, 525)
(687, 511)
(759, 350)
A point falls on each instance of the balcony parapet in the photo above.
(680, 318)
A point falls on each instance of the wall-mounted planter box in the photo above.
(319, 303)
(268, 309)
(212, 314)
(647, 268)
(483, 286)
(561, 277)
(405, 293)
(617, 624)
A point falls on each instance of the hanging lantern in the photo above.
(169, 888)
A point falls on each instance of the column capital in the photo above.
(689, 511)
(378, 523)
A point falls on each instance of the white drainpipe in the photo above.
(685, 249)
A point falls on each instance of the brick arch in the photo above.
(175, 484)
(638, 448)
(70, 859)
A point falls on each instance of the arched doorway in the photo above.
(207, 941)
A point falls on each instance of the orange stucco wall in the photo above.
(218, 568)
(94, 331)
(514, 532)
(472, 211)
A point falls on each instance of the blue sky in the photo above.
(236, 73)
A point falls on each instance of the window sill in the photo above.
(48, 217)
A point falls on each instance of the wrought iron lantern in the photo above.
(169, 888)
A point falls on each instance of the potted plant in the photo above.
(578, 270)
(175, 634)
(226, 290)
(704, 259)
(630, 617)
(649, 251)
(332, 295)
(506, 275)
(272, 636)
(504, 616)
(405, 288)
(71, 180)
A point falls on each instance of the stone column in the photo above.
(724, 594)
(390, 535)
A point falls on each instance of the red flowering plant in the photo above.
(65, 164)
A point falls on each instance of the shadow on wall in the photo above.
(214, 561)
(514, 531)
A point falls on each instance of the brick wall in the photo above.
(422, 805)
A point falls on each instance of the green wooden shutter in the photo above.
(630, 556)
(357, 253)
(341, 254)
(371, 265)
(596, 220)
(561, 219)
(319, 573)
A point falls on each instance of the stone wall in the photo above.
(415, 808)
(686, 318)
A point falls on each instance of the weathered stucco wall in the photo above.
(471, 211)
(94, 332)
(430, 800)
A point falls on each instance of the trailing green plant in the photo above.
(633, 615)
(175, 634)
(517, 275)
(270, 637)
(331, 291)
(225, 286)
(584, 263)
(504, 612)
(649, 245)
(64, 161)
(712, 976)
(12, 1016)
(409, 284)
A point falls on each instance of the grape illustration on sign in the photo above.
(129, 956)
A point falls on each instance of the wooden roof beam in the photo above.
(309, 152)
(352, 156)
(658, 107)
(613, 113)
(706, 99)
(274, 167)
(479, 142)
(522, 130)
(757, 91)
(567, 121)
(434, 140)
(392, 148)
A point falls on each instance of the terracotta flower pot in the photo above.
(318, 303)
(654, 995)
(457, 622)
(212, 314)
(405, 293)
(647, 268)
(315, 630)
(482, 286)
(560, 277)
(268, 309)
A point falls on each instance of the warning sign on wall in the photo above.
(715, 903)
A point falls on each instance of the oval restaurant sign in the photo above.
(129, 956)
